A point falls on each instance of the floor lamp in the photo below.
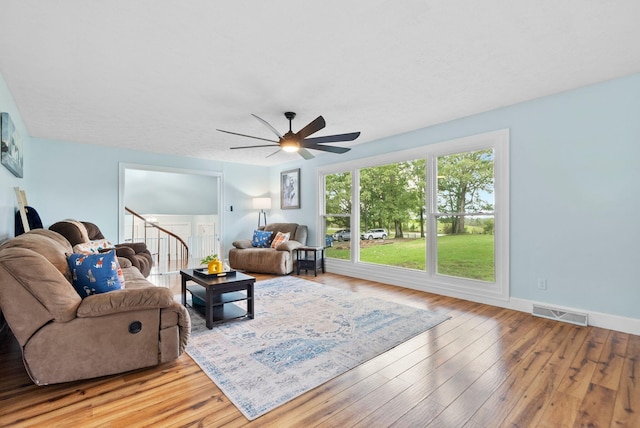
(262, 204)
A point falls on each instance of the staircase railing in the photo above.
(181, 248)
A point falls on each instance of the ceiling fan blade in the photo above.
(245, 135)
(268, 125)
(277, 151)
(333, 138)
(314, 126)
(253, 147)
(332, 149)
(306, 154)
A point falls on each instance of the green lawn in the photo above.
(467, 256)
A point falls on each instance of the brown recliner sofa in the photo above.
(279, 260)
(64, 337)
(137, 252)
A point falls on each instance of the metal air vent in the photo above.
(560, 315)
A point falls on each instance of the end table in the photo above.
(309, 258)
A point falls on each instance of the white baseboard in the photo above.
(596, 319)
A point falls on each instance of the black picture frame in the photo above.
(290, 189)
(11, 146)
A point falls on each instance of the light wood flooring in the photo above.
(485, 367)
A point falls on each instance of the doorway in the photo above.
(186, 203)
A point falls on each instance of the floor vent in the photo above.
(560, 315)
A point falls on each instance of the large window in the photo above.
(434, 216)
(337, 218)
(464, 215)
(391, 202)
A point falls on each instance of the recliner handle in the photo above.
(135, 327)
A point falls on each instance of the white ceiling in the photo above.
(162, 75)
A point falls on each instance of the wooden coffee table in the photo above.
(219, 295)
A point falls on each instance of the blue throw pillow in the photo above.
(94, 273)
(261, 239)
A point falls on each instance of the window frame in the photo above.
(429, 280)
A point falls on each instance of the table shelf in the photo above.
(222, 305)
(218, 299)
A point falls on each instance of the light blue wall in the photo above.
(171, 193)
(574, 198)
(7, 180)
(242, 184)
(80, 181)
(575, 203)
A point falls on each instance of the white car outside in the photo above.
(374, 234)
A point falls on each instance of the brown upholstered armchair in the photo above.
(136, 252)
(278, 260)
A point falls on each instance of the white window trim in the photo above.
(481, 291)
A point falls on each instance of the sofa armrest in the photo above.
(136, 260)
(176, 315)
(242, 244)
(125, 252)
(136, 247)
(127, 300)
(128, 254)
(289, 245)
(124, 262)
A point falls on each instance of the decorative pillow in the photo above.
(261, 239)
(95, 273)
(93, 247)
(279, 239)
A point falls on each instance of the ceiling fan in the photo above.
(298, 141)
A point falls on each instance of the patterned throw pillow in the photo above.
(279, 239)
(261, 239)
(92, 247)
(95, 273)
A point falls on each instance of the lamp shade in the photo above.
(262, 203)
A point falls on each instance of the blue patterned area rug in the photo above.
(304, 334)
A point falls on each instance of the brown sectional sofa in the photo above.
(78, 232)
(278, 261)
(64, 337)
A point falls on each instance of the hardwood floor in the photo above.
(485, 367)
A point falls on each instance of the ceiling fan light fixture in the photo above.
(290, 146)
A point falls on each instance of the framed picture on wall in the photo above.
(290, 189)
(11, 144)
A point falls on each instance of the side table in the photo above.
(310, 258)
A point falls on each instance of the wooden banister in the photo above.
(184, 246)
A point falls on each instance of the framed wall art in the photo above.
(11, 144)
(290, 189)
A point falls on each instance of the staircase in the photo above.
(169, 251)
